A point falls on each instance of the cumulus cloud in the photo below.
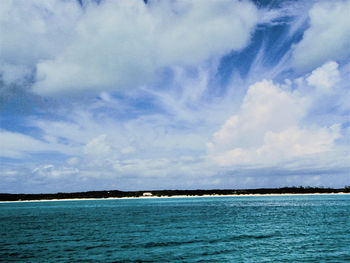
(116, 41)
(325, 77)
(327, 38)
(264, 107)
(328, 86)
(268, 130)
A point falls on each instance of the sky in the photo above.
(166, 94)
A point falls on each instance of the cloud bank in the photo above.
(105, 46)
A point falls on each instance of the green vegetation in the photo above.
(198, 192)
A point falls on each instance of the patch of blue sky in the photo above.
(268, 45)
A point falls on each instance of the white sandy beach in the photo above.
(174, 196)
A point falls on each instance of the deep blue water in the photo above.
(216, 229)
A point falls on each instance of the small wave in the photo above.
(239, 237)
(170, 243)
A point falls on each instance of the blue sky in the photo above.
(173, 94)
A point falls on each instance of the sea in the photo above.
(294, 228)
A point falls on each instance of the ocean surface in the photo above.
(205, 229)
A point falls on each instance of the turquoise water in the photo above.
(217, 229)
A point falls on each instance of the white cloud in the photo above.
(98, 147)
(268, 130)
(265, 107)
(49, 171)
(18, 145)
(328, 37)
(324, 78)
(15, 145)
(328, 87)
(109, 48)
(31, 31)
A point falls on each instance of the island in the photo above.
(171, 193)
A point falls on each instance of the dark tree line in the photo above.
(198, 192)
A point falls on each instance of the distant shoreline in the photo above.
(117, 194)
(173, 196)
